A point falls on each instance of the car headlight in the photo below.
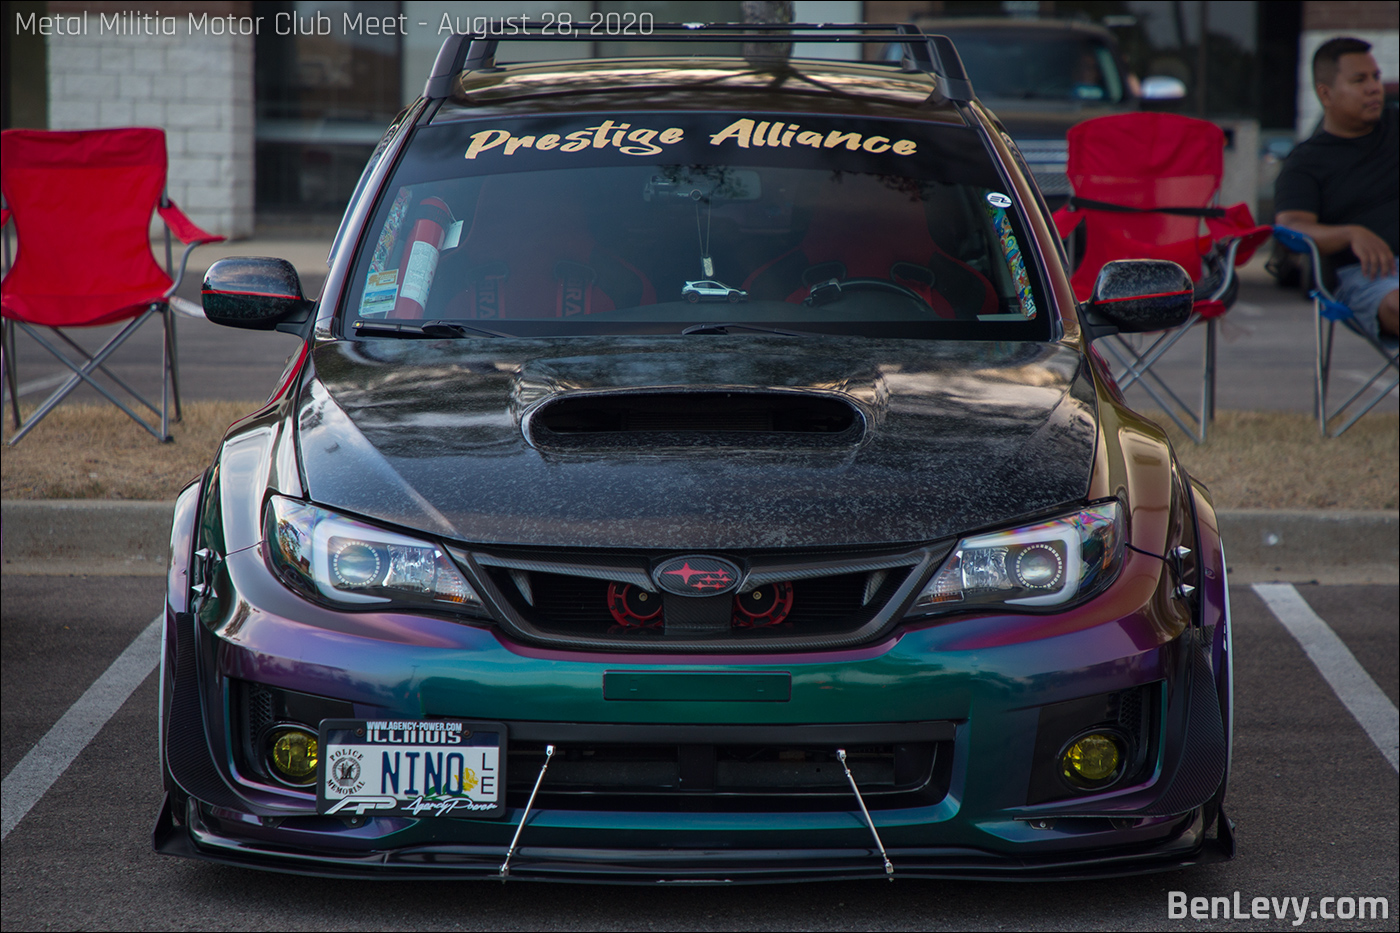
(1051, 563)
(332, 558)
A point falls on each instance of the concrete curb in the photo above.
(104, 536)
(114, 537)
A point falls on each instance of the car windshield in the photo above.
(655, 222)
(1039, 64)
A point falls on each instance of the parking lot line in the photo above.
(1338, 666)
(35, 385)
(29, 780)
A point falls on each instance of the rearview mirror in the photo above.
(717, 183)
(254, 292)
(1143, 294)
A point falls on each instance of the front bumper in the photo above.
(975, 688)
(209, 838)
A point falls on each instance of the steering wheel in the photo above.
(879, 285)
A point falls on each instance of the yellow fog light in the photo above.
(1092, 760)
(294, 755)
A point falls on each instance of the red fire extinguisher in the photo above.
(419, 260)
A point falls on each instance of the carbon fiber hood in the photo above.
(948, 437)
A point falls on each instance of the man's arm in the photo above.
(1373, 252)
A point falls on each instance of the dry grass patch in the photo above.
(96, 452)
(1277, 460)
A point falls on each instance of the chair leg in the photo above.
(1135, 364)
(1142, 374)
(7, 364)
(84, 374)
(1391, 363)
(165, 380)
(1381, 393)
(1324, 367)
(1138, 370)
(1330, 417)
(1143, 362)
(82, 352)
(1208, 380)
(1195, 429)
(1318, 407)
(173, 349)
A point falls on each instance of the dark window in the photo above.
(323, 101)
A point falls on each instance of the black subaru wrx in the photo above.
(697, 469)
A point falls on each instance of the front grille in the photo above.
(792, 600)
(719, 777)
(260, 707)
(567, 605)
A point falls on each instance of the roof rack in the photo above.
(933, 55)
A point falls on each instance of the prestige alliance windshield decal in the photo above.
(744, 133)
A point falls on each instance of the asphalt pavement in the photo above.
(1313, 798)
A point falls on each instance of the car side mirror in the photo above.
(1163, 87)
(1133, 295)
(255, 292)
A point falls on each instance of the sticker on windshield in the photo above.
(623, 137)
(997, 199)
(745, 133)
(385, 246)
(381, 291)
(418, 277)
(1014, 260)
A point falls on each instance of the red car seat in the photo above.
(866, 228)
(529, 254)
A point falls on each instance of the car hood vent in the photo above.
(587, 419)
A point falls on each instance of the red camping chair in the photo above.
(81, 203)
(1143, 183)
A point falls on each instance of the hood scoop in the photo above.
(694, 418)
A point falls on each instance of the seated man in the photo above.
(1342, 186)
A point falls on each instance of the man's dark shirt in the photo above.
(1347, 181)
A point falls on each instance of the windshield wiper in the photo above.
(425, 329)
(724, 329)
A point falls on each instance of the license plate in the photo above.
(416, 768)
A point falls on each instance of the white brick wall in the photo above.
(198, 88)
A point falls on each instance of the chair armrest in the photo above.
(184, 260)
(1209, 308)
(184, 228)
(1240, 236)
(1238, 224)
(186, 232)
(1297, 242)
